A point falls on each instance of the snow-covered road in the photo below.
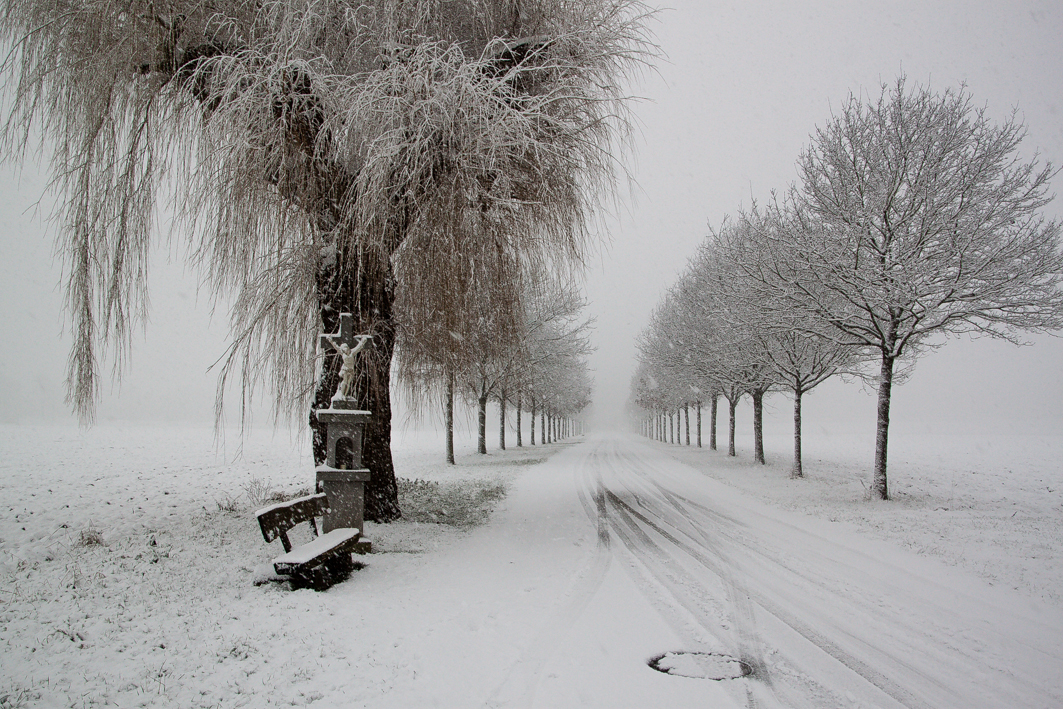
(669, 560)
(605, 554)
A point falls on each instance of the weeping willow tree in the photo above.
(324, 153)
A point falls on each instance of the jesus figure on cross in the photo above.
(347, 368)
(347, 353)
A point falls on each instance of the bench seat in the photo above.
(338, 541)
(322, 560)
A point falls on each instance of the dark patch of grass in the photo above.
(90, 537)
(460, 503)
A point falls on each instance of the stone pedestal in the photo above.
(342, 477)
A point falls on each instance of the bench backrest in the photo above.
(277, 519)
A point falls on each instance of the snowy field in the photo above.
(128, 555)
(992, 504)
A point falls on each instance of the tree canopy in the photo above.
(916, 215)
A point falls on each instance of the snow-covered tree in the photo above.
(667, 361)
(324, 154)
(492, 350)
(554, 371)
(727, 330)
(915, 217)
(780, 338)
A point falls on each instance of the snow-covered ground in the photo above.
(992, 504)
(128, 555)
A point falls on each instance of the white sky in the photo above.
(723, 120)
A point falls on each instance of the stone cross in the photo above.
(347, 344)
(345, 336)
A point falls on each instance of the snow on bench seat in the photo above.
(337, 541)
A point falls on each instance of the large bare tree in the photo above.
(917, 216)
(323, 154)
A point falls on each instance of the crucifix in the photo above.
(348, 345)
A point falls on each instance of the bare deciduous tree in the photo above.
(724, 317)
(916, 216)
(492, 347)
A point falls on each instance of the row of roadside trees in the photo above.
(914, 218)
(534, 360)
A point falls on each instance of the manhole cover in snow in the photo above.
(700, 665)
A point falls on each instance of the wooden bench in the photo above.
(321, 561)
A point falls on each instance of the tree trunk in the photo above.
(502, 421)
(481, 415)
(686, 420)
(520, 443)
(712, 421)
(542, 425)
(671, 427)
(732, 404)
(448, 415)
(879, 486)
(532, 421)
(367, 292)
(758, 425)
(698, 404)
(796, 471)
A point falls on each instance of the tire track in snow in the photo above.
(777, 584)
(657, 518)
(638, 521)
(666, 560)
(890, 594)
(703, 548)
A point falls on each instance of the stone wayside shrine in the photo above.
(342, 478)
(340, 496)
